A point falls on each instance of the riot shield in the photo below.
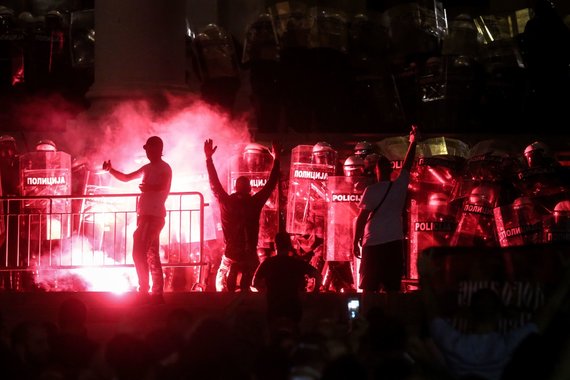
(490, 161)
(255, 162)
(45, 173)
(500, 50)
(307, 194)
(550, 183)
(343, 194)
(394, 149)
(475, 219)
(216, 53)
(431, 215)
(292, 23)
(520, 223)
(415, 28)
(329, 29)
(82, 38)
(261, 40)
(486, 182)
(462, 39)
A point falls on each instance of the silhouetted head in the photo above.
(153, 147)
(242, 185)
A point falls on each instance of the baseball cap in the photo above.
(153, 141)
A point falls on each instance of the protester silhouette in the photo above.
(239, 214)
(482, 348)
(283, 278)
(151, 213)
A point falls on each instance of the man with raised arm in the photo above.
(239, 214)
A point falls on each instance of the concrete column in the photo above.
(139, 50)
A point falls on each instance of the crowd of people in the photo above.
(245, 342)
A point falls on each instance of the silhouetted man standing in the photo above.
(240, 212)
(151, 212)
(283, 277)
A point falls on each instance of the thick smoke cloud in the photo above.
(184, 125)
(119, 135)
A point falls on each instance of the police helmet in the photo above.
(535, 146)
(323, 153)
(46, 146)
(363, 148)
(353, 166)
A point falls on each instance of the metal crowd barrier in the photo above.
(68, 232)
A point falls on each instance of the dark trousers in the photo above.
(247, 269)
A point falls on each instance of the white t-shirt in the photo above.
(386, 224)
(152, 202)
(477, 354)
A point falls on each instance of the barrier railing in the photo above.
(68, 232)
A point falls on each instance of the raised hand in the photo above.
(276, 149)
(209, 148)
(107, 165)
(414, 133)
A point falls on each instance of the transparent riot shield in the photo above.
(500, 49)
(82, 38)
(46, 174)
(3, 212)
(488, 164)
(431, 215)
(329, 29)
(520, 223)
(486, 182)
(475, 219)
(261, 41)
(255, 162)
(307, 194)
(551, 183)
(344, 194)
(416, 28)
(394, 149)
(216, 53)
(292, 23)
